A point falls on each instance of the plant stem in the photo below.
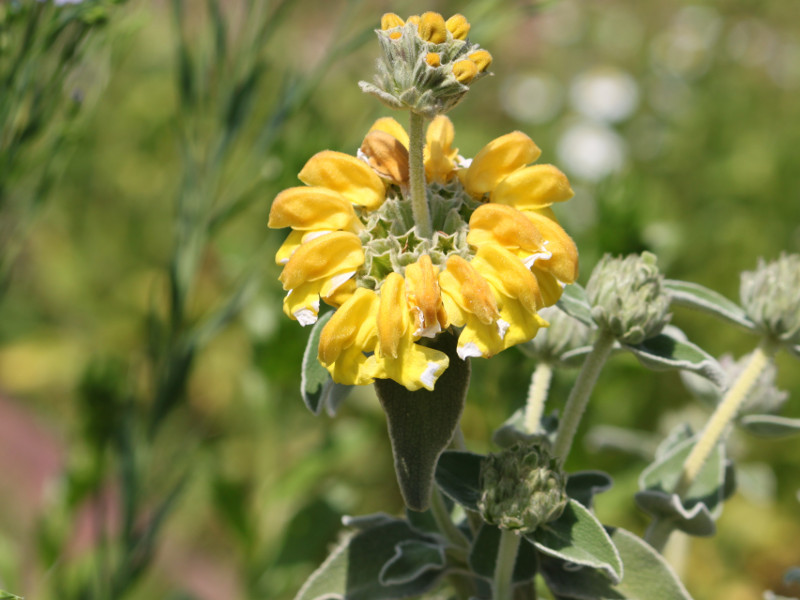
(725, 412)
(537, 395)
(445, 522)
(504, 568)
(416, 175)
(579, 396)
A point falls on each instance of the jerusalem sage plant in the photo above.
(431, 259)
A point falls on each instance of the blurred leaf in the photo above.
(411, 560)
(513, 431)
(770, 426)
(695, 520)
(584, 485)
(483, 555)
(693, 295)
(9, 596)
(309, 533)
(574, 302)
(422, 423)
(664, 352)
(353, 570)
(646, 575)
(314, 375)
(230, 498)
(578, 537)
(364, 522)
(458, 475)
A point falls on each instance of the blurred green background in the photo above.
(677, 122)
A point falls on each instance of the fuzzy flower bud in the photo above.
(522, 488)
(771, 297)
(628, 298)
(427, 64)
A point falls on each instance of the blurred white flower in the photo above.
(684, 49)
(751, 42)
(605, 94)
(532, 98)
(591, 150)
(562, 23)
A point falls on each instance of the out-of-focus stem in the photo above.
(537, 395)
(504, 568)
(416, 167)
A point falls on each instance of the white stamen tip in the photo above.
(502, 328)
(470, 349)
(306, 316)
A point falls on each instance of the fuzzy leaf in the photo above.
(513, 431)
(483, 555)
(4, 595)
(353, 570)
(573, 301)
(647, 575)
(422, 423)
(411, 560)
(314, 375)
(693, 295)
(696, 520)
(578, 537)
(458, 475)
(663, 352)
(583, 485)
(770, 426)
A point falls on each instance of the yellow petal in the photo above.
(497, 160)
(533, 188)
(341, 294)
(424, 296)
(509, 275)
(352, 325)
(386, 155)
(440, 156)
(302, 302)
(289, 246)
(391, 20)
(393, 128)
(479, 339)
(522, 323)
(458, 26)
(313, 208)
(482, 60)
(432, 28)
(433, 59)
(392, 315)
(563, 263)
(464, 71)
(414, 367)
(344, 174)
(469, 289)
(506, 226)
(325, 256)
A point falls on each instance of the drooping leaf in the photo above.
(695, 520)
(583, 485)
(483, 555)
(422, 423)
(309, 533)
(412, 559)
(578, 537)
(770, 426)
(4, 595)
(647, 575)
(664, 352)
(314, 375)
(364, 522)
(573, 301)
(693, 295)
(353, 570)
(458, 475)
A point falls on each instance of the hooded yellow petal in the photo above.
(497, 160)
(424, 297)
(532, 188)
(344, 174)
(440, 156)
(414, 367)
(469, 289)
(432, 28)
(506, 226)
(292, 243)
(563, 263)
(313, 208)
(387, 156)
(522, 325)
(324, 256)
(392, 315)
(302, 302)
(479, 339)
(393, 128)
(458, 26)
(352, 325)
(509, 275)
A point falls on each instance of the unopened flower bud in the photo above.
(433, 59)
(414, 20)
(464, 71)
(458, 26)
(771, 297)
(391, 20)
(482, 60)
(432, 28)
(522, 488)
(628, 298)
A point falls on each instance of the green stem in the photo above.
(579, 396)
(445, 522)
(537, 395)
(504, 568)
(416, 175)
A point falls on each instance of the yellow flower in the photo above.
(498, 255)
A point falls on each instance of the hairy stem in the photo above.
(504, 568)
(445, 522)
(579, 396)
(416, 167)
(537, 395)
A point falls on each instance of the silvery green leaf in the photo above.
(411, 560)
(696, 520)
(573, 301)
(579, 538)
(315, 377)
(693, 295)
(458, 475)
(483, 555)
(584, 485)
(663, 352)
(4, 595)
(647, 575)
(679, 433)
(770, 426)
(604, 437)
(363, 522)
(352, 571)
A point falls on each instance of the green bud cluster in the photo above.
(564, 333)
(771, 297)
(628, 297)
(421, 75)
(522, 488)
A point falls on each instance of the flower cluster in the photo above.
(496, 257)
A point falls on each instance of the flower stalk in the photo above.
(580, 394)
(537, 396)
(504, 567)
(416, 175)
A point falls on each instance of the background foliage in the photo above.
(677, 123)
